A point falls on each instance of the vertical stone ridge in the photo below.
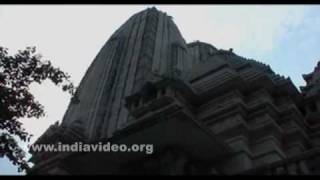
(120, 83)
(147, 50)
(123, 112)
(135, 58)
(164, 48)
(106, 128)
(111, 80)
(102, 107)
(101, 96)
(159, 44)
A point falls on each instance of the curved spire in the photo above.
(147, 46)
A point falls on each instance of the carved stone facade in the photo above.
(207, 111)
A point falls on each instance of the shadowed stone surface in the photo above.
(206, 110)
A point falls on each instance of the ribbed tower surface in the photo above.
(146, 46)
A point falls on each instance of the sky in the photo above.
(287, 37)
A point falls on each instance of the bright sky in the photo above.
(285, 37)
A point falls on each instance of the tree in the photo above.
(17, 72)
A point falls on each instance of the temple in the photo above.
(205, 110)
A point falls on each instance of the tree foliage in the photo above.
(17, 72)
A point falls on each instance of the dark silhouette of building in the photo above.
(205, 110)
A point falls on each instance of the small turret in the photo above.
(311, 105)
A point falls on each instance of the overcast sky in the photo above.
(285, 37)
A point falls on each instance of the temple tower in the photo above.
(147, 47)
(205, 110)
